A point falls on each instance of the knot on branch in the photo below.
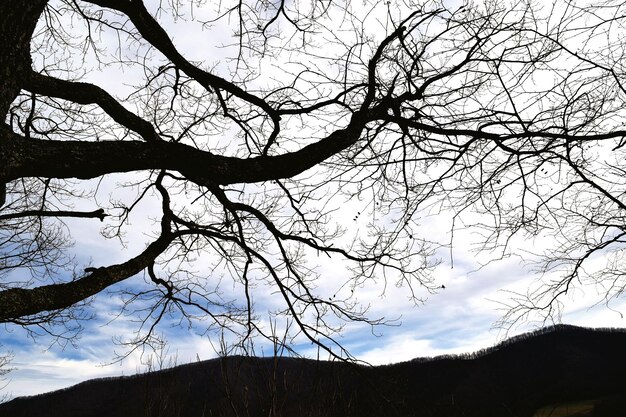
(100, 214)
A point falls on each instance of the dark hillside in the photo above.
(562, 365)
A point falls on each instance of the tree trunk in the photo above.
(17, 23)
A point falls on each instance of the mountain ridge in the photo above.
(516, 377)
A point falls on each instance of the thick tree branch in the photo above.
(22, 302)
(21, 157)
(100, 214)
(158, 37)
(85, 93)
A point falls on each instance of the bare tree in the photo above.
(508, 116)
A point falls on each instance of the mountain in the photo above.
(560, 371)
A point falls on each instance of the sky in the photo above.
(462, 317)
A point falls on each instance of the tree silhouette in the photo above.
(510, 117)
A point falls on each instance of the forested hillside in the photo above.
(550, 368)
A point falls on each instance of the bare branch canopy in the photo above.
(247, 144)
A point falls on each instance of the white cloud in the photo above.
(36, 371)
